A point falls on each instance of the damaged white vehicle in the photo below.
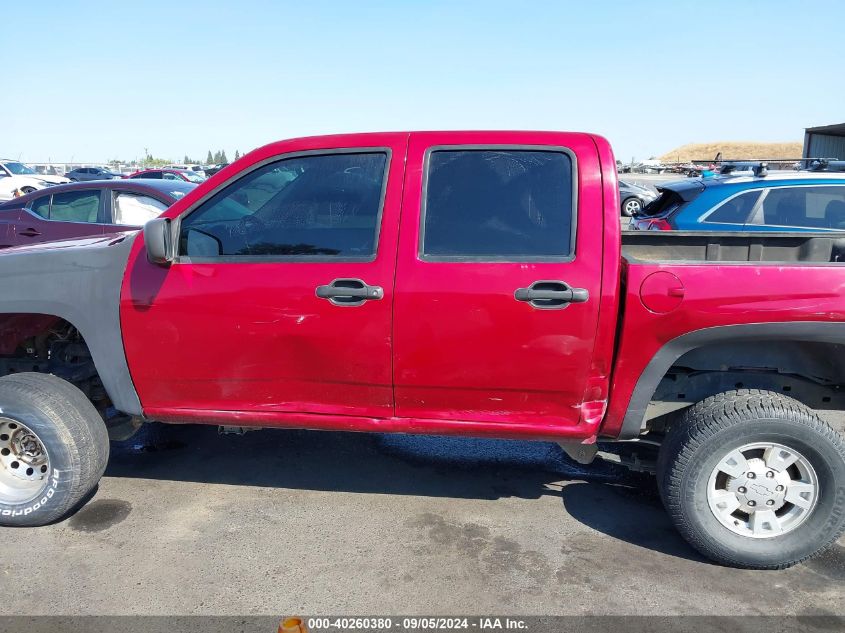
(18, 179)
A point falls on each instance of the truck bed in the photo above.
(701, 246)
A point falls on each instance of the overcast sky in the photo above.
(92, 81)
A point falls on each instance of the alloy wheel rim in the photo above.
(762, 490)
(632, 206)
(24, 462)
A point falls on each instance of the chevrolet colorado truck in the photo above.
(467, 283)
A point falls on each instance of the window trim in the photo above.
(759, 210)
(504, 259)
(292, 259)
(761, 191)
(28, 207)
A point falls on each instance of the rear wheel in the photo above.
(53, 448)
(631, 207)
(26, 190)
(754, 479)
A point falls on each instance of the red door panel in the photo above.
(254, 336)
(465, 347)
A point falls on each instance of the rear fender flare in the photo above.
(666, 356)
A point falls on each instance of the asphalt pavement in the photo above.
(277, 522)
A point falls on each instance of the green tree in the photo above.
(217, 160)
(187, 160)
(209, 159)
(223, 158)
(150, 161)
(237, 154)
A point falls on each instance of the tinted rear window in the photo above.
(735, 210)
(498, 204)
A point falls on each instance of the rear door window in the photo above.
(735, 210)
(812, 207)
(498, 205)
(75, 206)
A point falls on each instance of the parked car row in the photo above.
(82, 174)
(18, 179)
(170, 173)
(746, 198)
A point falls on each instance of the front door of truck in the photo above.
(280, 296)
(499, 276)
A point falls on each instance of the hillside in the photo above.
(733, 149)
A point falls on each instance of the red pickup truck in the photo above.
(468, 283)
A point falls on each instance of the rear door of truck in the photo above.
(498, 277)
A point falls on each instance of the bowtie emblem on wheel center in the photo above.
(761, 490)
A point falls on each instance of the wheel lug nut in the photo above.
(779, 488)
(751, 475)
(770, 474)
(752, 503)
(741, 490)
(770, 503)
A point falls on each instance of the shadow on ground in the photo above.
(603, 496)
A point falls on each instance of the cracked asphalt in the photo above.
(279, 522)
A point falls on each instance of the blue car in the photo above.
(789, 201)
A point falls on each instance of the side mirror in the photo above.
(158, 240)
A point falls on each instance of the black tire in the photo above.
(719, 424)
(26, 190)
(630, 201)
(73, 435)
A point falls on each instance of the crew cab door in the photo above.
(279, 299)
(498, 278)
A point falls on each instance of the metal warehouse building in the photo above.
(827, 141)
